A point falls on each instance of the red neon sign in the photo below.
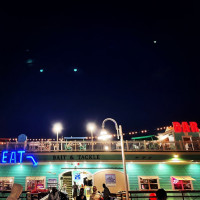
(185, 127)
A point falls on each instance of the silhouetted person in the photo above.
(54, 195)
(161, 194)
(75, 190)
(106, 192)
(81, 195)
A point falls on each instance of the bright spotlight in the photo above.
(104, 135)
(91, 127)
(57, 127)
(106, 148)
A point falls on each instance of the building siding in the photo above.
(163, 171)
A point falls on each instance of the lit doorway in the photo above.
(82, 178)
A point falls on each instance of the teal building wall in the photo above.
(164, 171)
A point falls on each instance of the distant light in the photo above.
(154, 41)
(175, 156)
(29, 61)
(106, 148)
(75, 69)
(91, 127)
(41, 70)
(104, 135)
(57, 127)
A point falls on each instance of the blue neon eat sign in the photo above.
(16, 157)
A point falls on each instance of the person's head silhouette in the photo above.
(161, 194)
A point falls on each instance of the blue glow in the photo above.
(33, 160)
(13, 157)
(41, 70)
(75, 69)
(4, 157)
(21, 155)
(16, 157)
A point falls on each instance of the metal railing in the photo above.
(171, 195)
(24, 195)
(5, 194)
(130, 146)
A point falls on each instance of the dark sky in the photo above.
(121, 73)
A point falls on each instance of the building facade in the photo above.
(172, 165)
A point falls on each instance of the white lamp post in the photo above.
(91, 127)
(119, 135)
(57, 128)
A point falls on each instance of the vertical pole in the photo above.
(57, 146)
(127, 147)
(124, 162)
(92, 140)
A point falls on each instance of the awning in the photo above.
(143, 137)
(149, 177)
(184, 178)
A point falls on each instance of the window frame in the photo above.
(158, 183)
(173, 188)
(35, 178)
(6, 178)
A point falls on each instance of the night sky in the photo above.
(136, 63)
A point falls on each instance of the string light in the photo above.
(114, 135)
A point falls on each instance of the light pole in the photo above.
(119, 135)
(91, 127)
(57, 128)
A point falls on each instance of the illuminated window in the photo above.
(35, 182)
(149, 182)
(6, 183)
(182, 182)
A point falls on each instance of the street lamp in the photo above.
(119, 135)
(104, 135)
(57, 128)
(91, 127)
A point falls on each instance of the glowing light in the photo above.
(177, 127)
(57, 127)
(175, 156)
(194, 127)
(41, 70)
(91, 127)
(33, 160)
(21, 153)
(163, 137)
(75, 69)
(99, 165)
(154, 41)
(185, 127)
(4, 157)
(104, 135)
(13, 157)
(106, 148)
(176, 160)
(29, 61)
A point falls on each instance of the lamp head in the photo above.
(57, 127)
(91, 127)
(104, 135)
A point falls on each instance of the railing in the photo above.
(130, 146)
(5, 194)
(24, 195)
(171, 195)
